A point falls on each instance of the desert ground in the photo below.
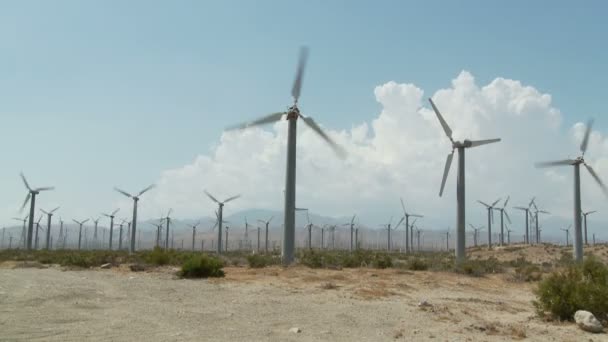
(50, 303)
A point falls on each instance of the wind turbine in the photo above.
(476, 230)
(508, 236)
(585, 222)
(352, 229)
(447, 240)
(31, 196)
(293, 113)
(247, 244)
(220, 215)
(407, 220)
(168, 219)
(266, 238)
(503, 213)
(460, 181)
(567, 230)
(194, 233)
(490, 209)
(158, 228)
(528, 217)
(536, 212)
(111, 216)
(134, 222)
(120, 234)
(37, 229)
(578, 234)
(49, 215)
(80, 223)
(95, 223)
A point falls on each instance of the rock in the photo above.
(586, 321)
(137, 267)
(295, 330)
(424, 304)
(105, 266)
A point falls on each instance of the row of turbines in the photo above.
(292, 114)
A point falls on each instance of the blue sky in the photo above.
(95, 94)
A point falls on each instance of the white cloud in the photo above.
(400, 153)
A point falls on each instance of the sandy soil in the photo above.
(52, 304)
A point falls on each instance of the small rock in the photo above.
(586, 321)
(295, 330)
(424, 304)
(108, 265)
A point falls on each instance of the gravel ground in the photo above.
(51, 304)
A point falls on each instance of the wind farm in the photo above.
(164, 178)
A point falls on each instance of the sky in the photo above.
(97, 94)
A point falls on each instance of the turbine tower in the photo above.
(578, 234)
(49, 215)
(490, 209)
(194, 233)
(585, 223)
(266, 238)
(293, 113)
(168, 218)
(460, 181)
(220, 217)
(408, 242)
(476, 231)
(567, 230)
(134, 222)
(528, 217)
(111, 216)
(31, 196)
(536, 212)
(23, 232)
(80, 223)
(95, 224)
(352, 230)
(503, 214)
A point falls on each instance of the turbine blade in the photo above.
(476, 143)
(444, 124)
(44, 211)
(353, 220)
(76, 221)
(412, 215)
(313, 125)
(446, 170)
(507, 216)
(231, 198)
(544, 212)
(555, 163)
(85, 221)
(297, 83)
(54, 210)
(399, 223)
(403, 206)
(46, 188)
(123, 192)
(27, 198)
(274, 117)
(146, 189)
(270, 219)
(115, 211)
(585, 141)
(487, 205)
(212, 198)
(493, 204)
(506, 201)
(520, 208)
(25, 181)
(591, 212)
(597, 179)
(106, 215)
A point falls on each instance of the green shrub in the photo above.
(202, 266)
(157, 257)
(262, 260)
(577, 287)
(382, 261)
(417, 264)
(478, 268)
(528, 273)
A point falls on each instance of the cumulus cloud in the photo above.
(399, 154)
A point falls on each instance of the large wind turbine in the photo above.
(490, 209)
(37, 230)
(194, 233)
(168, 218)
(49, 215)
(407, 215)
(567, 230)
(23, 232)
(585, 222)
(476, 231)
(578, 234)
(31, 195)
(528, 217)
(111, 216)
(80, 223)
(293, 113)
(460, 181)
(536, 212)
(352, 230)
(220, 215)
(134, 222)
(95, 225)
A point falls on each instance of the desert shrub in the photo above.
(262, 260)
(577, 287)
(157, 256)
(311, 259)
(528, 273)
(202, 266)
(478, 268)
(417, 264)
(382, 260)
